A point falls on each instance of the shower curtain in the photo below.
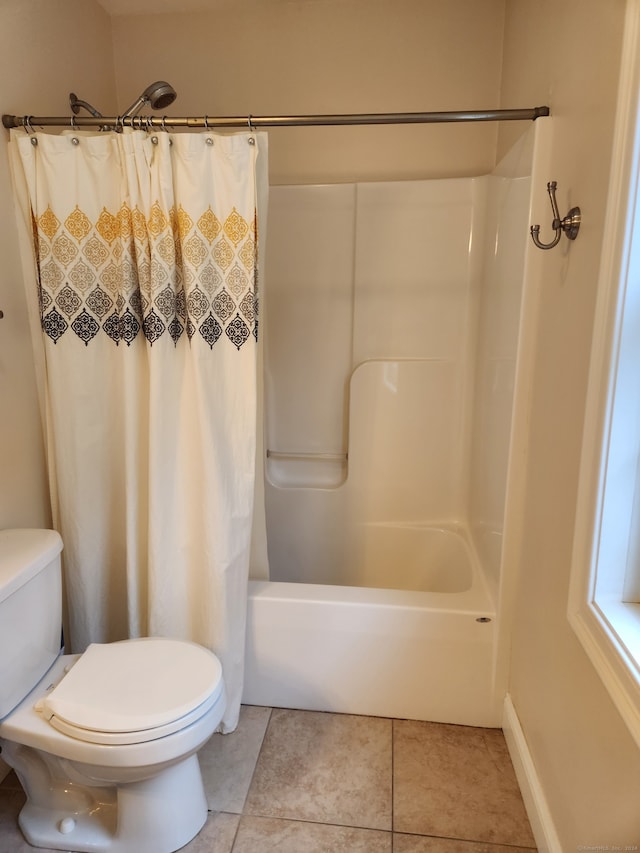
(144, 254)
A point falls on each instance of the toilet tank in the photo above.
(30, 611)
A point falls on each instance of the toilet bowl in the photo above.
(105, 744)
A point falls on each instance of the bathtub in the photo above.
(423, 653)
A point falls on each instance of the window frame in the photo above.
(607, 530)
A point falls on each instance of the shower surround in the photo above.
(391, 342)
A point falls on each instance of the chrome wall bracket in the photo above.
(570, 224)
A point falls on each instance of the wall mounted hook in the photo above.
(570, 224)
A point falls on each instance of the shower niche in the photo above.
(391, 335)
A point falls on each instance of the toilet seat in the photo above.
(134, 691)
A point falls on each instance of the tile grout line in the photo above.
(393, 779)
(474, 841)
(253, 772)
(235, 834)
(305, 821)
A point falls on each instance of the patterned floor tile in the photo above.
(329, 768)
(456, 782)
(227, 762)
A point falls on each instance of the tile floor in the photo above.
(311, 782)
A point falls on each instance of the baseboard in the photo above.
(535, 802)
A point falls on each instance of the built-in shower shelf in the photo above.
(306, 469)
(318, 457)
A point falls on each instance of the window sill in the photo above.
(622, 620)
(609, 633)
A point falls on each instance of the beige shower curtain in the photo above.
(145, 251)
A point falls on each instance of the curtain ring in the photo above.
(73, 122)
(251, 127)
(206, 122)
(28, 128)
(164, 127)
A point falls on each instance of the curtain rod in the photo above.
(252, 122)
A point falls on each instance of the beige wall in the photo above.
(47, 49)
(567, 53)
(334, 56)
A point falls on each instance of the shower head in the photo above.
(158, 95)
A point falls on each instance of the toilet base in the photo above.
(157, 815)
(46, 828)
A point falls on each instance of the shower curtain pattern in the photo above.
(151, 445)
(125, 274)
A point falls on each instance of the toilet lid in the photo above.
(134, 691)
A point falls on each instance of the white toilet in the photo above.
(104, 743)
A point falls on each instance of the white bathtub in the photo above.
(424, 654)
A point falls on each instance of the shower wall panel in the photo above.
(405, 442)
(412, 269)
(309, 318)
(370, 334)
(506, 213)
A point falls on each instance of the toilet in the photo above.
(104, 743)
